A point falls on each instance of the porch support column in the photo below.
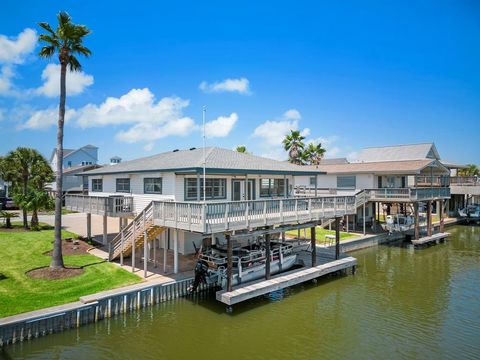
(120, 224)
(417, 221)
(346, 219)
(175, 251)
(337, 238)
(145, 254)
(285, 190)
(246, 188)
(316, 185)
(267, 256)
(313, 244)
(155, 241)
(166, 236)
(122, 245)
(89, 226)
(364, 219)
(105, 234)
(229, 262)
(429, 218)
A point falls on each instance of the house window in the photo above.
(69, 164)
(86, 163)
(272, 187)
(379, 182)
(215, 189)
(123, 185)
(313, 180)
(390, 181)
(152, 185)
(85, 182)
(346, 182)
(97, 185)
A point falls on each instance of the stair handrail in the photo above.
(142, 219)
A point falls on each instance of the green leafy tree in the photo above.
(314, 153)
(293, 144)
(8, 216)
(21, 166)
(66, 42)
(470, 170)
(241, 149)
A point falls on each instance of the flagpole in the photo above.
(204, 155)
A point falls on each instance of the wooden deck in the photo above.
(327, 265)
(436, 238)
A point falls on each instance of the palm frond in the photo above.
(80, 49)
(46, 26)
(49, 39)
(74, 64)
(47, 51)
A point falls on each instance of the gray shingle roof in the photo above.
(218, 160)
(398, 153)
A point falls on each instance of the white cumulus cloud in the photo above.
(6, 75)
(272, 133)
(43, 119)
(77, 81)
(241, 86)
(221, 126)
(14, 50)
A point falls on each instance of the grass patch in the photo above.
(22, 251)
(320, 234)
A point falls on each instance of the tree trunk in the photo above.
(9, 223)
(24, 210)
(57, 258)
(34, 222)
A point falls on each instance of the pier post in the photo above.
(313, 244)
(166, 240)
(417, 221)
(155, 242)
(429, 218)
(89, 226)
(267, 256)
(440, 213)
(337, 238)
(229, 262)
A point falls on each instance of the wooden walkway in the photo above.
(327, 265)
(436, 238)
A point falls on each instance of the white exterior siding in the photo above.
(141, 200)
(362, 181)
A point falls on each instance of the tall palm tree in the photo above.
(293, 143)
(470, 170)
(66, 42)
(241, 149)
(19, 166)
(314, 153)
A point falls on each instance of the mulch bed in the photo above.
(14, 229)
(46, 273)
(74, 247)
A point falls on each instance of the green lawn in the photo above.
(23, 251)
(320, 234)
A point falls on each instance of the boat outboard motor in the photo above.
(200, 272)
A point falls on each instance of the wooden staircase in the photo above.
(360, 199)
(133, 235)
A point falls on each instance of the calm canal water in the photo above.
(401, 304)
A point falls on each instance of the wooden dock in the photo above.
(257, 288)
(435, 238)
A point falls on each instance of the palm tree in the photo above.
(314, 153)
(293, 143)
(470, 170)
(19, 166)
(241, 149)
(67, 42)
(8, 216)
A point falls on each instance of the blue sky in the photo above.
(351, 74)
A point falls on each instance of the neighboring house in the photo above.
(86, 155)
(75, 162)
(3, 188)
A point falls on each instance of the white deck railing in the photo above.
(429, 181)
(214, 217)
(465, 180)
(101, 205)
(408, 194)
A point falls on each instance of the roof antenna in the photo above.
(204, 155)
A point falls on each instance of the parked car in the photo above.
(10, 204)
